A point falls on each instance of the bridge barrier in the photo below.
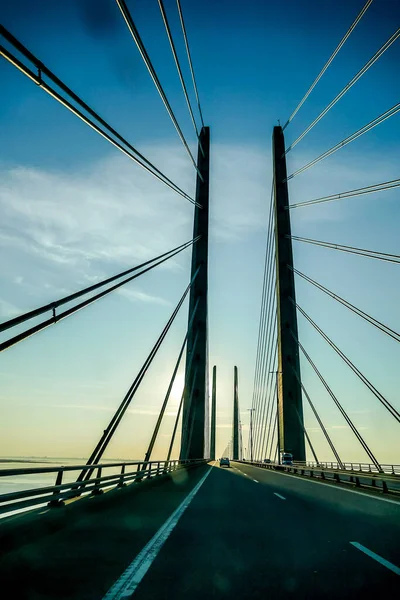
(353, 466)
(386, 482)
(56, 495)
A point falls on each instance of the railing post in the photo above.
(121, 483)
(57, 502)
(97, 489)
(290, 406)
(139, 476)
(194, 443)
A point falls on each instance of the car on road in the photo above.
(224, 462)
(267, 461)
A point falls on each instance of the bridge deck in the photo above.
(247, 533)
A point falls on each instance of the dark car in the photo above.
(224, 462)
(287, 458)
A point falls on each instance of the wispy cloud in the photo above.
(135, 410)
(138, 295)
(110, 212)
(338, 174)
(8, 310)
(61, 230)
(240, 190)
(319, 430)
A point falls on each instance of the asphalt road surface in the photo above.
(219, 533)
(253, 533)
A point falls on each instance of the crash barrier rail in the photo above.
(386, 482)
(352, 466)
(55, 495)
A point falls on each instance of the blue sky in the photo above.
(76, 209)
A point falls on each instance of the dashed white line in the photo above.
(127, 584)
(340, 489)
(279, 496)
(376, 557)
(246, 475)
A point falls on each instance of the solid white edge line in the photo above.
(127, 584)
(255, 480)
(279, 496)
(341, 489)
(376, 557)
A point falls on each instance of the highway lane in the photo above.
(373, 520)
(82, 551)
(253, 533)
(245, 532)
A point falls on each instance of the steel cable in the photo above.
(116, 419)
(377, 121)
(320, 423)
(58, 317)
(339, 46)
(143, 52)
(381, 326)
(171, 383)
(379, 187)
(389, 407)
(182, 397)
(185, 37)
(346, 88)
(132, 153)
(393, 258)
(338, 404)
(177, 64)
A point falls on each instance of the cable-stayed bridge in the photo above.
(175, 526)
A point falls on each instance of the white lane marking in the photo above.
(279, 496)
(376, 557)
(340, 489)
(127, 584)
(245, 474)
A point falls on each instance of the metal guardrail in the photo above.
(353, 466)
(385, 482)
(56, 495)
